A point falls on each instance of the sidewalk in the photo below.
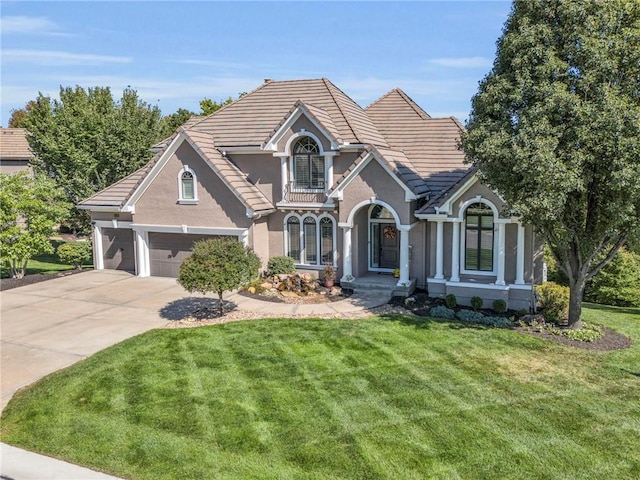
(81, 301)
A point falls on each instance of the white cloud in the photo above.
(30, 25)
(462, 62)
(57, 58)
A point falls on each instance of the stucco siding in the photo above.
(263, 170)
(217, 205)
(475, 190)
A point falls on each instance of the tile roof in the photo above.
(230, 174)
(14, 145)
(163, 143)
(398, 163)
(444, 195)
(116, 195)
(250, 120)
(431, 144)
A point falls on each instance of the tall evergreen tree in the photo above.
(555, 128)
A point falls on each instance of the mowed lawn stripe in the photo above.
(394, 397)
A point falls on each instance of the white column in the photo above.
(283, 176)
(455, 251)
(347, 266)
(404, 254)
(328, 174)
(439, 250)
(520, 256)
(142, 253)
(500, 276)
(98, 251)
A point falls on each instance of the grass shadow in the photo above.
(427, 322)
(195, 307)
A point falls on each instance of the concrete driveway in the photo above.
(51, 325)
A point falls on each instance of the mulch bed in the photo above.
(328, 295)
(9, 283)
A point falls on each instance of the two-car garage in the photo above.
(148, 252)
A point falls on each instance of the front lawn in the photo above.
(392, 397)
(46, 263)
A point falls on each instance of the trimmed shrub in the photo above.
(442, 312)
(476, 303)
(280, 265)
(499, 306)
(451, 300)
(554, 301)
(499, 322)
(74, 253)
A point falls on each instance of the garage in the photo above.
(117, 244)
(168, 250)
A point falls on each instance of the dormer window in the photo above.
(308, 165)
(187, 192)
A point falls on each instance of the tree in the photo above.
(30, 208)
(18, 116)
(555, 129)
(171, 122)
(208, 106)
(218, 265)
(87, 141)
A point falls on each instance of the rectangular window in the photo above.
(310, 242)
(326, 241)
(294, 241)
(302, 174)
(317, 171)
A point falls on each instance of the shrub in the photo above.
(470, 316)
(618, 283)
(280, 265)
(499, 306)
(442, 312)
(451, 300)
(554, 300)
(476, 303)
(588, 333)
(499, 322)
(74, 253)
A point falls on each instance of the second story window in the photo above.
(187, 186)
(308, 165)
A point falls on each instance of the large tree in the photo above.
(555, 128)
(30, 208)
(86, 140)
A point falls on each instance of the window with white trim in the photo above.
(187, 186)
(308, 165)
(479, 238)
(310, 240)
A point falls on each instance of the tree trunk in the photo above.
(221, 302)
(576, 291)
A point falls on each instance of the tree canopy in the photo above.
(218, 265)
(555, 128)
(87, 141)
(30, 209)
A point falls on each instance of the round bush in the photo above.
(280, 265)
(499, 306)
(74, 253)
(476, 303)
(451, 300)
(554, 300)
(442, 312)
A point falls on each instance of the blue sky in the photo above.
(177, 53)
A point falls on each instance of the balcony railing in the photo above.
(297, 194)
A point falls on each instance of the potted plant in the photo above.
(396, 272)
(328, 275)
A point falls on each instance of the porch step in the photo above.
(383, 283)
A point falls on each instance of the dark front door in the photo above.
(389, 255)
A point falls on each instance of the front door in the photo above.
(389, 255)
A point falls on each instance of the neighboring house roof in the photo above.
(250, 120)
(431, 144)
(14, 145)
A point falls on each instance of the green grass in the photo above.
(49, 263)
(359, 399)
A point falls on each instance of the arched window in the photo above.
(187, 191)
(310, 239)
(308, 165)
(479, 238)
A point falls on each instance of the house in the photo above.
(15, 153)
(298, 168)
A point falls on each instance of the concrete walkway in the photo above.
(51, 325)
